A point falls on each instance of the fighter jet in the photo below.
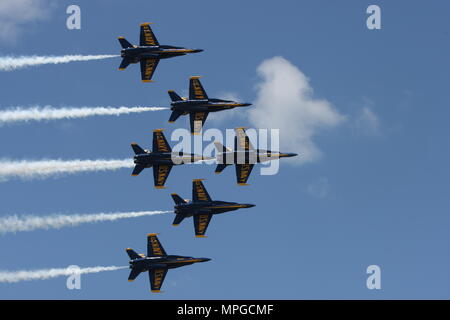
(198, 105)
(161, 158)
(149, 52)
(244, 156)
(202, 208)
(156, 262)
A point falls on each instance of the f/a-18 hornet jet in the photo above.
(149, 52)
(156, 262)
(202, 208)
(161, 158)
(244, 156)
(198, 105)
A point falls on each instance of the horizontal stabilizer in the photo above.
(220, 147)
(133, 274)
(177, 199)
(174, 116)
(174, 96)
(124, 64)
(124, 43)
(137, 169)
(220, 168)
(137, 149)
(178, 219)
(132, 254)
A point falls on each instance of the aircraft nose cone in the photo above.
(204, 259)
(249, 205)
(246, 104)
(197, 50)
(288, 155)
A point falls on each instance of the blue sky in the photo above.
(377, 194)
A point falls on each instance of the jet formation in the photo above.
(161, 158)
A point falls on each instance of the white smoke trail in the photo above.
(10, 63)
(49, 113)
(29, 223)
(41, 169)
(27, 275)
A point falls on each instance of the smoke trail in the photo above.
(29, 223)
(49, 113)
(27, 170)
(27, 275)
(10, 63)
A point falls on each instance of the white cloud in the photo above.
(319, 188)
(367, 122)
(285, 101)
(17, 15)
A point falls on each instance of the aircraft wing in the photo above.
(154, 247)
(197, 120)
(243, 172)
(157, 277)
(160, 143)
(148, 67)
(199, 192)
(201, 222)
(196, 91)
(241, 141)
(160, 174)
(147, 37)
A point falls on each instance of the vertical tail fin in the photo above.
(177, 199)
(174, 96)
(124, 43)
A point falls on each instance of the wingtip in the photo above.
(200, 236)
(152, 234)
(195, 77)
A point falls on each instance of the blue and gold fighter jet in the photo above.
(161, 158)
(244, 156)
(149, 52)
(198, 105)
(157, 262)
(202, 208)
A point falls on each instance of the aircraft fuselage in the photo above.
(251, 156)
(208, 207)
(137, 53)
(168, 158)
(205, 105)
(163, 262)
